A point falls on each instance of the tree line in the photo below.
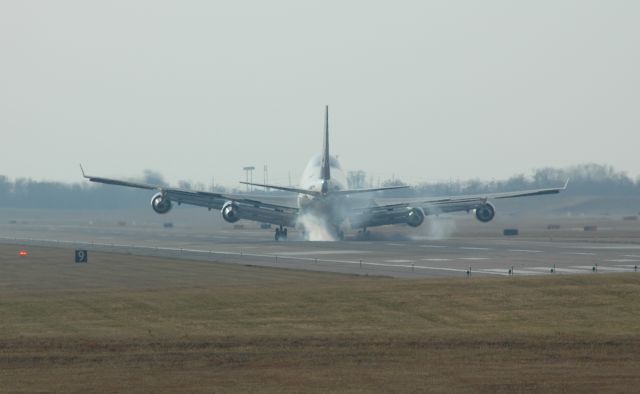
(585, 179)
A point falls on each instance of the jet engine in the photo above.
(485, 212)
(415, 217)
(160, 203)
(230, 212)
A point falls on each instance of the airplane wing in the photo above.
(413, 212)
(234, 207)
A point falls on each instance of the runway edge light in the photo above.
(23, 253)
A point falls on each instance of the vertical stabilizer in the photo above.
(325, 170)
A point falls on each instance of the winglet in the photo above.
(83, 174)
(566, 184)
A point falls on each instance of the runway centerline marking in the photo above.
(433, 246)
(472, 248)
(581, 253)
(436, 259)
(525, 251)
(473, 258)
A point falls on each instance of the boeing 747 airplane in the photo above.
(324, 200)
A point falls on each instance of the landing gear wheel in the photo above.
(364, 235)
(281, 233)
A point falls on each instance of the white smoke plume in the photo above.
(436, 228)
(439, 228)
(315, 228)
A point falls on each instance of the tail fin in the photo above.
(325, 171)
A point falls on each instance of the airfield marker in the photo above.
(81, 256)
(23, 253)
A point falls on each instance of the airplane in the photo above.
(323, 201)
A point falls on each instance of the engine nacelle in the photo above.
(230, 212)
(160, 203)
(485, 212)
(416, 217)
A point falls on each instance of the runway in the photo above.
(396, 257)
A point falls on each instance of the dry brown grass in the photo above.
(147, 324)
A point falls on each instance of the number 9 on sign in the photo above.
(81, 256)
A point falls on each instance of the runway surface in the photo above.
(390, 255)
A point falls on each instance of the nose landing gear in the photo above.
(281, 233)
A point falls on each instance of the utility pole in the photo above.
(247, 170)
(266, 175)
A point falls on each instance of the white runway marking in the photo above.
(436, 259)
(632, 255)
(319, 252)
(629, 266)
(622, 261)
(473, 258)
(445, 269)
(584, 267)
(433, 246)
(472, 248)
(581, 253)
(601, 268)
(613, 247)
(493, 271)
(395, 244)
(399, 261)
(558, 269)
(525, 250)
(613, 269)
(505, 271)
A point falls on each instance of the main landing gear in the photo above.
(364, 234)
(281, 233)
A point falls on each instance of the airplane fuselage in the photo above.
(326, 205)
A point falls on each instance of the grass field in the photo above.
(148, 324)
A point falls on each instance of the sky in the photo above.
(422, 91)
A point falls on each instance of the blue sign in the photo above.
(81, 256)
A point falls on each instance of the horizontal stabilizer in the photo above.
(372, 190)
(285, 188)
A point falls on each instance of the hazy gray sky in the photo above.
(425, 90)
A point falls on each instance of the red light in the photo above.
(23, 253)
